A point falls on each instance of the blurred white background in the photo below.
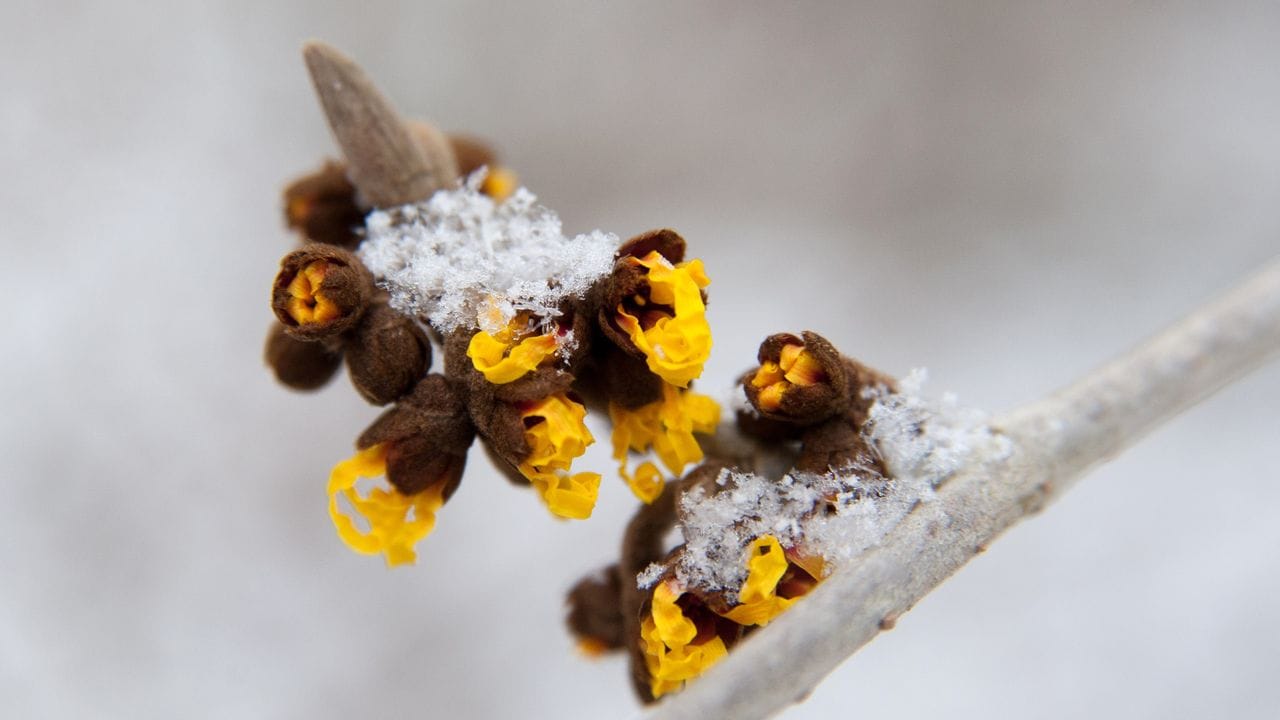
(1007, 194)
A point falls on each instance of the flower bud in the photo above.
(801, 380)
(426, 436)
(321, 291)
(595, 612)
(322, 206)
(387, 354)
(300, 365)
(655, 308)
(471, 152)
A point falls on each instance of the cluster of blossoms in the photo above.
(752, 545)
(533, 335)
(422, 240)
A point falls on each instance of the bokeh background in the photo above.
(1005, 193)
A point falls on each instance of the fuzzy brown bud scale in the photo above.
(427, 435)
(300, 365)
(387, 354)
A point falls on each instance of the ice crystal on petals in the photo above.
(459, 255)
(920, 441)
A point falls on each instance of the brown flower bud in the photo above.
(595, 612)
(321, 291)
(322, 206)
(387, 354)
(300, 365)
(630, 281)
(801, 380)
(472, 153)
(427, 437)
(667, 242)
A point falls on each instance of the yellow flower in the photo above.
(511, 353)
(758, 598)
(392, 531)
(556, 435)
(499, 183)
(670, 325)
(307, 304)
(669, 639)
(667, 426)
(796, 366)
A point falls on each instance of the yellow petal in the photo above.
(499, 183)
(555, 441)
(759, 601)
(392, 531)
(666, 635)
(647, 483)
(675, 348)
(665, 426)
(500, 363)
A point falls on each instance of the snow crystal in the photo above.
(921, 442)
(459, 259)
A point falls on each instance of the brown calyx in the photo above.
(427, 435)
(501, 424)
(322, 206)
(595, 612)
(801, 380)
(321, 291)
(301, 365)
(838, 445)
(387, 354)
(627, 287)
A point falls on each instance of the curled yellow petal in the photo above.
(796, 366)
(501, 361)
(557, 434)
(396, 522)
(675, 340)
(667, 637)
(306, 303)
(758, 599)
(665, 426)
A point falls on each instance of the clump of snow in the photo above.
(650, 575)
(461, 260)
(840, 514)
